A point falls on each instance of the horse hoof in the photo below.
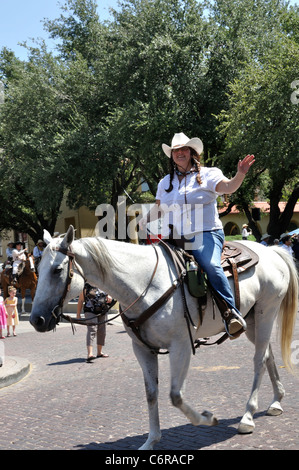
(211, 420)
(274, 410)
(246, 428)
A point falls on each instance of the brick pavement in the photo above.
(64, 403)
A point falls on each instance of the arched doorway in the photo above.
(231, 229)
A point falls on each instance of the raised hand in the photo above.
(245, 164)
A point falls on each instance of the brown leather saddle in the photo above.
(239, 255)
(237, 258)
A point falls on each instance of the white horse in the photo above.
(267, 290)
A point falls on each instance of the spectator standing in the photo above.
(94, 302)
(11, 303)
(245, 232)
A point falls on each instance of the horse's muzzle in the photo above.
(39, 323)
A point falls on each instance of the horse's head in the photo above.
(57, 282)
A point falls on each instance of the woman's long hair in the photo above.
(195, 160)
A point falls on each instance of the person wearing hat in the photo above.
(245, 232)
(19, 257)
(265, 239)
(9, 250)
(38, 250)
(186, 197)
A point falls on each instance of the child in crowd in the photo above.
(18, 258)
(11, 303)
(3, 315)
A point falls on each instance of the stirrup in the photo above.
(239, 317)
(229, 315)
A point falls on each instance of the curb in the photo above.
(13, 370)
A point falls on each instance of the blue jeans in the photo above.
(207, 249)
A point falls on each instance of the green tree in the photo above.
(241, 32)
(32, 120)
(93, 118)
(142, 82)
(262, 119)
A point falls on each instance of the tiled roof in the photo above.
(263, 206)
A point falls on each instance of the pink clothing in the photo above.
(2, 314)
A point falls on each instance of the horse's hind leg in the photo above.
(275, 408)
(259, 332)
(247, 425)
(149, 364)
(179, 363)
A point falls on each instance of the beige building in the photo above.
(85, 221)
(233, 222)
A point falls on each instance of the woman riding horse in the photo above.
(190, 192)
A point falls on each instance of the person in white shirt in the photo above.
(245, 232)
(287, 244)
(186, 198)
(18, 257)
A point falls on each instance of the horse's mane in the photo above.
(100, 254)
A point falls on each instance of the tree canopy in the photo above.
(90, 119)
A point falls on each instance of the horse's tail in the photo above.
(288, 309)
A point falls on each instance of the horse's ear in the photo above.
(47, 237)
(68, 238)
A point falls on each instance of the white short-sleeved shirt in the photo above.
(190, 207)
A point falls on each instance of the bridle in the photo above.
(57, 312)
(133, 324)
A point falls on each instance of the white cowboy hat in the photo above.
(181, 140)
(266, 235)
(284, 235)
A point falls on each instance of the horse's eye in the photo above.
(58, 270)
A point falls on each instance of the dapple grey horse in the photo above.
(268, 291)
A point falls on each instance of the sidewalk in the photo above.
(13, 370)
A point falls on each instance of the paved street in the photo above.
(65, 403)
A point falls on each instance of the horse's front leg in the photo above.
(149, 364)
(179, 363)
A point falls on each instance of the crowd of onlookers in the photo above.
(290, 243)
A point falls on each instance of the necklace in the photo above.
(180, 173)
(188, 222)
